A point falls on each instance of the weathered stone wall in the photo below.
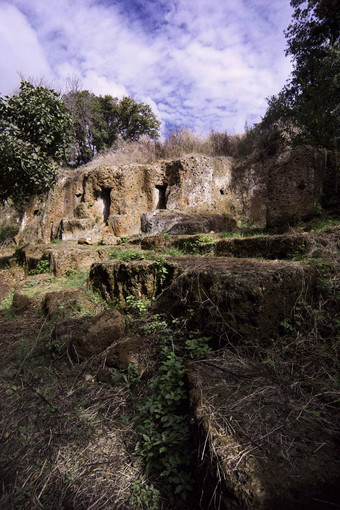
(111, 199)
(200, 184)
(282, 189)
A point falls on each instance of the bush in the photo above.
(35, 130)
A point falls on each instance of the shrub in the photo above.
(43, 266)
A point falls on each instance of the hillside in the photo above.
(192, 365)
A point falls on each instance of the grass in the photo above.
(39, 284)
(65, 444)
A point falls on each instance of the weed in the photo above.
(42, 267)
(123, 240)
(126, 255)
(161, 270)
(231, 235)
(269, 362)
(71, 273)
(144, 496)
(132, 376)
(6, 303)
(287, 325)
(206, 239)
(163, 422)
(55, 348)
(164, 428)
(197, 346)
(136, 306)
(173, 252)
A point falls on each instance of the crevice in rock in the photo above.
(161, 199)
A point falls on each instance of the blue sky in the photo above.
(203, 64)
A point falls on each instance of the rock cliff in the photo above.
(189, 195)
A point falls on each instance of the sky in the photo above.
(200, 64)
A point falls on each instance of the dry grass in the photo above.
(179, 144)
(66, 441)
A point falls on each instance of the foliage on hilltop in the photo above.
(35, 130)
(99, 121)
(309, 105)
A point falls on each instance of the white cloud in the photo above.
(204, 64)
(20, 49)
(103, 86)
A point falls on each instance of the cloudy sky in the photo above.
(202, 64)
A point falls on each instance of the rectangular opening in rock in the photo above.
(160, 196)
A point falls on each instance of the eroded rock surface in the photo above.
(197, 193)
(87, 337)
(259, 441)
(177, 223)
(241, 300)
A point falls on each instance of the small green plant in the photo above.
(173, 252)
(269, 362)
(136, 306)
(6, 303)
(163, 422)
(227, 235)
(55, 348)
(132, 376)
(197, 346)
(206, 239)
(123, 239)
(71, 273)
(90, 204)
(144, 496)
(287, 325)
(42, 267)
(126, 255)
(161, 270)
(244, 223)
(164, 427)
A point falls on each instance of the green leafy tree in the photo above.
(100, 120)
(311, 99)
(86, 120)
(136, 119)
(35, 131)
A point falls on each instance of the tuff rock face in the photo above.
(194, 193)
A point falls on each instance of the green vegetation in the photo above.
(309, 104)
(144, 496)
(127, 254)
(35, 131)
(99, 122)
(163, 421)
(43, 266)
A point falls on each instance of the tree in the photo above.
(85, 117)
(35, 131)
(311, 98)
(136, 119)
(100, 120)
